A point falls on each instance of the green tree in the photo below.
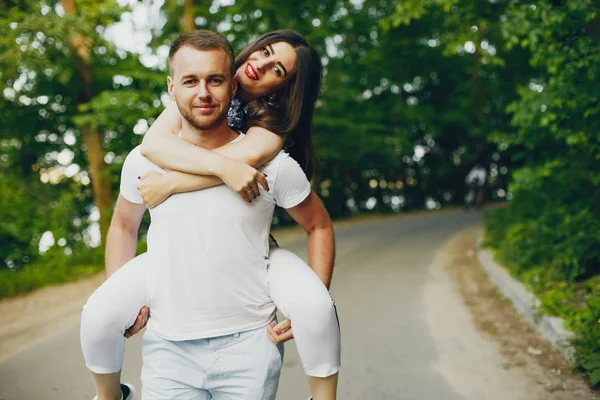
(67, 89)
(551, 228)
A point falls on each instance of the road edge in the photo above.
(526, 303)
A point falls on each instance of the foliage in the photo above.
(530, 254)
(22, 221)
(387, 92)
(51, 269)
(55, 267)
(549, 222)
(550, 232)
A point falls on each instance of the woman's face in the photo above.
(266, 70)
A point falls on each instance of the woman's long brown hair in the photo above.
(291, 114)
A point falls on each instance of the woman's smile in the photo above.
(251, 72)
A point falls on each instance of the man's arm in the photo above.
(121, 241)
(312, 216)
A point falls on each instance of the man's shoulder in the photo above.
(290, 186)
(135, 157)
(135, 153)
(284, 157)
(281, 161)
(286, 169)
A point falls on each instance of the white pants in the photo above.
(295, 289)
(243, 366)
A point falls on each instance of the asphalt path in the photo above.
(382, 288)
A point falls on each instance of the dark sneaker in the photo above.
(127, 391)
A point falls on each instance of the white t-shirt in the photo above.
(478, 174)
(209, 252)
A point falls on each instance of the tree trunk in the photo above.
(479, 101)
(82, 47)
(188, 24)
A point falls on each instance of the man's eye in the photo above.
(215, 81)
(188, 82)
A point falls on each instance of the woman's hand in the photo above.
(242, 179)
(154, 188)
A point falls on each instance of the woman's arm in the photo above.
(257, 147)
(161, 146)
(156, 188)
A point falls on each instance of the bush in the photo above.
(51, 269)
(54, 268)
(555, 252)
(552, 222)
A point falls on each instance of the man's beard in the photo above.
(203, 123)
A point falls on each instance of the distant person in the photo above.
(242, 291)
(475, 181)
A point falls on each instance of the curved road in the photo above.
(389, 292)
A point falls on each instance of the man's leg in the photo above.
(479, 200)
(246, 366)
(172, 370)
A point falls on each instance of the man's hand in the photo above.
(140, 322)
(280, 333)
(242, 179)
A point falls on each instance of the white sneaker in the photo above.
(127, 392)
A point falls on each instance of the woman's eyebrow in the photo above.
(280, 64)
(283, 68)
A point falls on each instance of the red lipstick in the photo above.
(251, 72)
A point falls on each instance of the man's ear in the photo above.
(170, 87)
(234, 85)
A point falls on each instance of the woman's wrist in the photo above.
(221, 165)
(170, 182)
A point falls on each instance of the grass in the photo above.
(577, 303)
(38, 275)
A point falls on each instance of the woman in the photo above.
(279, 99)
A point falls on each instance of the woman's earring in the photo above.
(272, 98)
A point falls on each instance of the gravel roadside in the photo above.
(521, 347)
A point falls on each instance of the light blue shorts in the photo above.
(241, 366)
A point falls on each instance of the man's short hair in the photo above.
(203, 39)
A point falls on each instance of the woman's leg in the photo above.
(301, 296)
(105, 317)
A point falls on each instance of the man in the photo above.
(207, 286)
(475, 181)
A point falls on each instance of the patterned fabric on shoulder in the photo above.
(236, 116)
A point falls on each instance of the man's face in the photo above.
(202, 86)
